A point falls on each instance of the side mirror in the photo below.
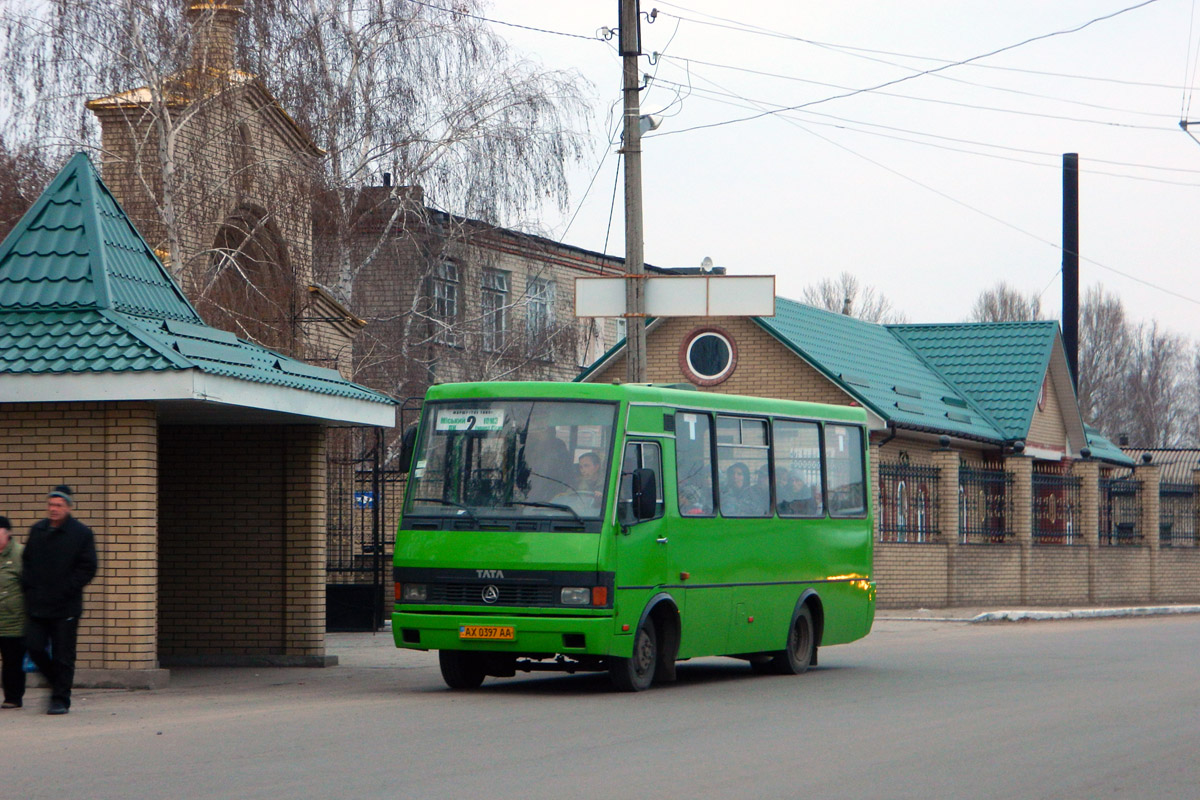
(408, 444)
(645, 493)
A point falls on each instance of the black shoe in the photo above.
(11, 704)
(57, 708)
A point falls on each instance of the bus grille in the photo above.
(471, 594)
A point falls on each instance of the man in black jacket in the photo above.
(59, 560)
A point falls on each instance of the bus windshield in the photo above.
(509, 458)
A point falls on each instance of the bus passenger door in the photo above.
(641, 544)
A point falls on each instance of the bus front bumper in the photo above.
(529, 634)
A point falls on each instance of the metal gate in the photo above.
(365, 490)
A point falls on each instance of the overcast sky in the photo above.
(930, 189)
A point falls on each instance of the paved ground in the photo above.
(923, 709)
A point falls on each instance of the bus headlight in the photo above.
(576, 595)
(413, 592)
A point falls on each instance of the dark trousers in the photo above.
(12, 673)
(59, 668)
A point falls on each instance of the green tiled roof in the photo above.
(879, 368)
(977, 380)
(82, 292)
(76, 249)
(998, 365)
(1104, 449)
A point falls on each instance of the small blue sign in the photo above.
(364, 499)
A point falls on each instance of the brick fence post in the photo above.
(875, 489)
(1021, 523)
(1088, 472)
(946, 461)
(1149, 475)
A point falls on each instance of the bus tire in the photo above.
(461, 670)
(635, 674)
(801, 645)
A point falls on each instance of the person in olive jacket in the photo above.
(12, 618)
(59, 560)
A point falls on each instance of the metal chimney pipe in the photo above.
(1070, 263)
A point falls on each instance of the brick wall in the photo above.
(911, 575)
(765, 368)
(242, 541)
(1058, 575)
(108, 454)
(1179, 574)
(1121, 575)
(986, 574)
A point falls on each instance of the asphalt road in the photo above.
(1078, 709)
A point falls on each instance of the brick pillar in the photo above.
(1088, 519)
(946, 461)
(1021, 469)
(877, 508)
(1148, 518)
(304, 550)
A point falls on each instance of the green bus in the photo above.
(577, 527)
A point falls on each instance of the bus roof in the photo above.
(646, 393)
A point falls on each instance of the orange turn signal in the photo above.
(397, 592)
(599, 595)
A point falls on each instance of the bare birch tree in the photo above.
(847, 295)
(1105, 351)
(24, 173)
(1156, 413)
(1003, 303)
(430, 96)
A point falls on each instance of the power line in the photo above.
(968, 206)
(922, 73)
(461, 13)
(798, 79)
(745, 27)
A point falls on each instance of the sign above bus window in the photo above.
(681, 296)
(453, 420)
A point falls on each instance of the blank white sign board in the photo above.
(681, 296)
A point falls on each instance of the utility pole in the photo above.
(1070, 263)
(630, 24)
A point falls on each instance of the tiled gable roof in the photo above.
(878, 368)
(998, 365)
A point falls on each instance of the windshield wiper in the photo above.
(470, 513)
(558, 506)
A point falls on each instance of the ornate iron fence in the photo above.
(908, 502)
(1177, 514)
(1056, 505)
(1120, 509)
(984, 506)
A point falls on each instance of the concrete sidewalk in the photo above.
(1029, 614)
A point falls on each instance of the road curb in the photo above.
(1082, 613)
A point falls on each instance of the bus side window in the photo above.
(844, 464)
(639, 455)
(693, 464)
(798, 489)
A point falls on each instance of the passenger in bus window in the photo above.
(796, 498)
(735, 491)
(760, 492)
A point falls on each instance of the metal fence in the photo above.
(1177, 514)
(1056, 506)
(1120, 508)
(362, 502)
(908, 503)
(984, 506)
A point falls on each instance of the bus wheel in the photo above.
(801, 642)
(637, 673)
(461, 670)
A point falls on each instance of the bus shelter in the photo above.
(197, 457)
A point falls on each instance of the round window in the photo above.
(708, 357)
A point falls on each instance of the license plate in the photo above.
(493, 632)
